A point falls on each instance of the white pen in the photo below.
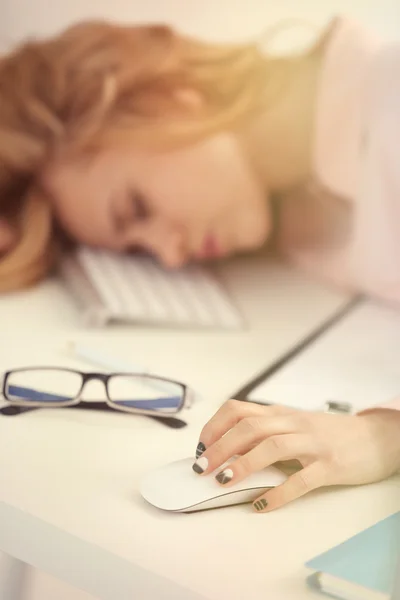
(101, 359)
(330, 406)
(106, 361)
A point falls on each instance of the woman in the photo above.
(129, 137)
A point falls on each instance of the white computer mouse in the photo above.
(176, 487)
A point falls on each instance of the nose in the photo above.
(170, 250)
(166, 243)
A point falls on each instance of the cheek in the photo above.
(210, 187)
(203, 189)
(257, 227)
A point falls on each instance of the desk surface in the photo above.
(80, 471)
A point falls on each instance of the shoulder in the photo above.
(349, 54)
(384, 105)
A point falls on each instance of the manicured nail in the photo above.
(225, 476)
(260, 504)
(200, 449)
(200, 465)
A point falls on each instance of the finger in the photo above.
(268, 452)
(299, 484)
(241, 439)
(230, 413)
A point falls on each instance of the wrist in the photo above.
(385, 429)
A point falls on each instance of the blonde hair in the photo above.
(99, 84)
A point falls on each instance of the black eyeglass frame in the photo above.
(186, 402)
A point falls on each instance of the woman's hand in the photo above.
(331, 449)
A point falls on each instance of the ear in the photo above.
(8, 236)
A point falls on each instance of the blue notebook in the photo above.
(363, 567)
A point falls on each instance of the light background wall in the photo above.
(215, 19)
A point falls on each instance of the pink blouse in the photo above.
(344, 227)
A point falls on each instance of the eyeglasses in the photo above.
(54, 387)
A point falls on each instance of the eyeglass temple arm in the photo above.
(13, 411)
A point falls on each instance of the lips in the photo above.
(210, 248)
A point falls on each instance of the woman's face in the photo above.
(195, 203)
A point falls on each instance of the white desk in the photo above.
(80, 471)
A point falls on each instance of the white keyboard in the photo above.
(121, 287)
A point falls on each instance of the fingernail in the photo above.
(260, 504)
(225, 476)
(200, 449)
(200, 465)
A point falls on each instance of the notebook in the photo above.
(353, 360)
(363, 567)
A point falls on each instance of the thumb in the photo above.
(297, 485)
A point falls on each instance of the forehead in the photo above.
(158, 173)
(64, 167)
(82, 195)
